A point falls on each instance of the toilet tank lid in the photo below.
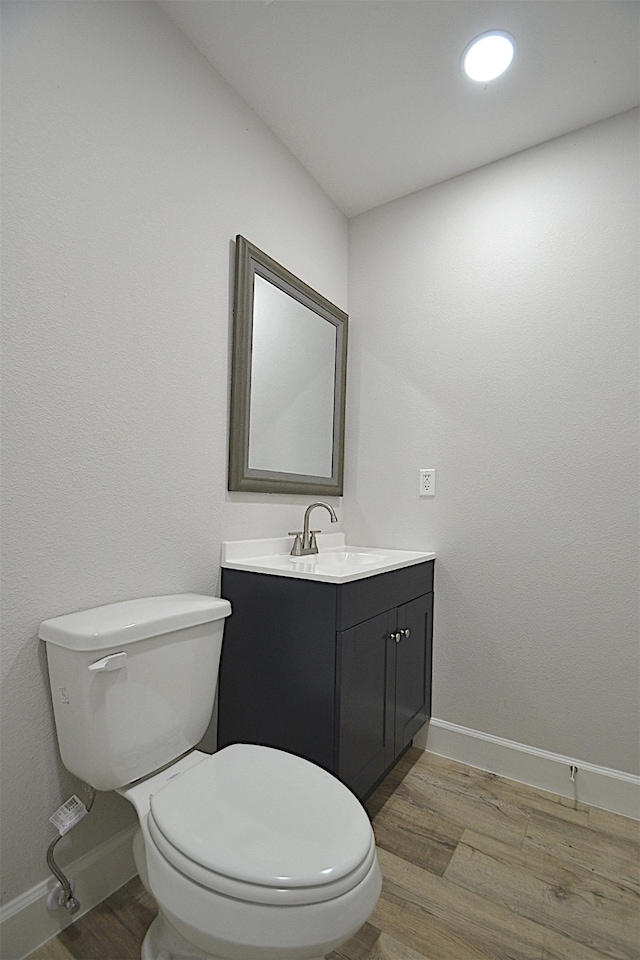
(118, 624)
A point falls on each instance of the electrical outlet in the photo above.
(427, 483)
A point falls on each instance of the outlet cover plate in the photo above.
(427, 483)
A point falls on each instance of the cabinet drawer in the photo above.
(360, 600)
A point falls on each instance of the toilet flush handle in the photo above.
(113, 662)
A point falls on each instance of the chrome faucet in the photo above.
(307, 545)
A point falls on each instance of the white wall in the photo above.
(129, 167)
(494, 336)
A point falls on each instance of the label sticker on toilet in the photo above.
(71, 812)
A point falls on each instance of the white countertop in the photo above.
(335, 562)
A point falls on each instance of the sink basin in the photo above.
(335, 562)
(342, 564)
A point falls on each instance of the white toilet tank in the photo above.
(133, 683)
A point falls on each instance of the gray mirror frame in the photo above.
(250, 261)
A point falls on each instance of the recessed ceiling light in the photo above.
(488, 55)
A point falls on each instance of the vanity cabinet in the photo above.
(337, 673)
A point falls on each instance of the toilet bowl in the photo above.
(254, 852)
(251, 853)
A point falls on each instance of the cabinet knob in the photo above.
(395, 636)
(405, 633)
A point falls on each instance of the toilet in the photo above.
(251, 853)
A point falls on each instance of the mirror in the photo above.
(288, 374)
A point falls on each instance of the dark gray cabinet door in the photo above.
(365, 692)
(413, 670)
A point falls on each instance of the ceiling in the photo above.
(369, 95)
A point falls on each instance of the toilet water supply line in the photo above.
(65, 818)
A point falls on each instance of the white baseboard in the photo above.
(599, 786)
(26, 922)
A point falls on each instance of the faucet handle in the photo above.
(312, 540)
(296, 549)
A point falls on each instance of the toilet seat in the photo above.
(262, 825)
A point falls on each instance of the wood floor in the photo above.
(475, 868)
